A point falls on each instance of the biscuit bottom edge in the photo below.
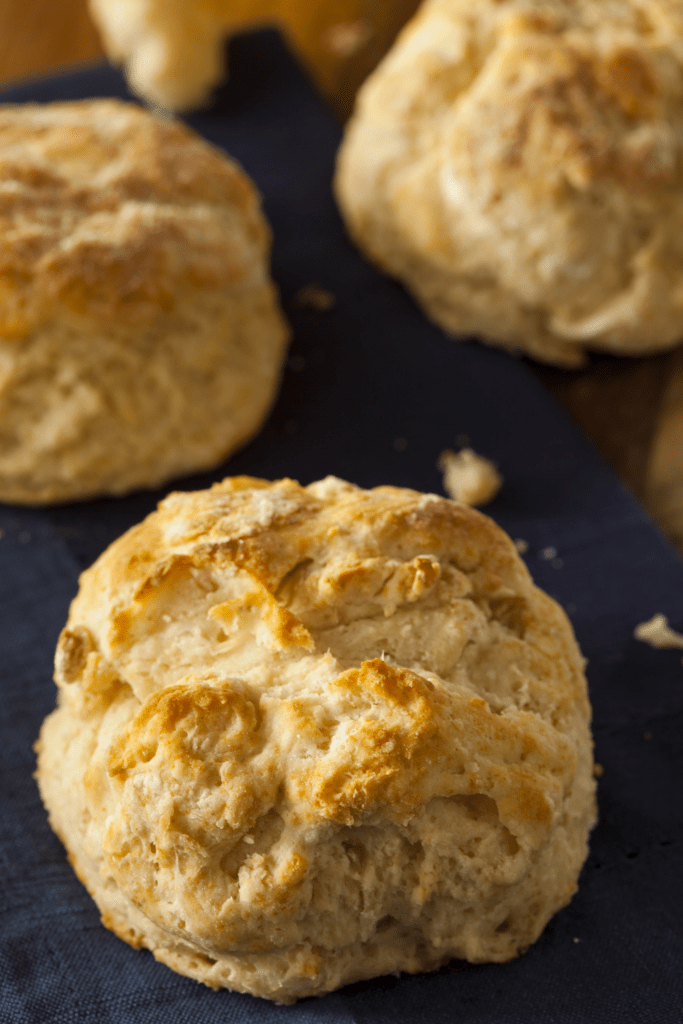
(307, 969)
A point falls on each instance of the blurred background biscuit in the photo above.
(517, 165)
(140, 334)
(173, 51)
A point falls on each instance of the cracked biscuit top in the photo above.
(314, 734)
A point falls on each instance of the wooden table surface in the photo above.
(631, 408)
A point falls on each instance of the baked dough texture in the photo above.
(140, 334)
(518, 164)
(310, 735)
(173, 51)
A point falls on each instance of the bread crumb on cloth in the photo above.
(315, 297)
(311, 735)
(469, 477)
(658, 633)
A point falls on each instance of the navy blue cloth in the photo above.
(372, 392)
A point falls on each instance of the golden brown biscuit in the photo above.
(517, 163)
(140, 334)
(312, 735)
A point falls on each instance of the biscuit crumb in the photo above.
(468, 477)
(647, 735)
(522, 546)
(346, 37)
(315, 297)
(598, 770)
(657, 633)
(547, 554)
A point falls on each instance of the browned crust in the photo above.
(312, 710)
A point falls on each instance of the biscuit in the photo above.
(173, 51)
(140, 334)
(517, 164)
(310, 735)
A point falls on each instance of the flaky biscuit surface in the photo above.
(518, 164)
(140, 334)
(307, 736)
